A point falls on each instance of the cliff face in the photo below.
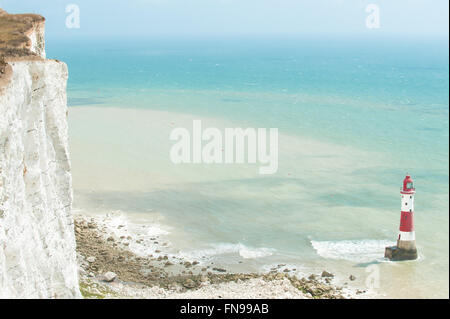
(37, 242)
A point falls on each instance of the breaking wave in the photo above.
(365, 250)
(226, 248)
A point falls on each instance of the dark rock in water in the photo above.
(327, 274)
(352, 278)
(398, 254)
(220, 269)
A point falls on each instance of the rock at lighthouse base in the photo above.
(397, 254)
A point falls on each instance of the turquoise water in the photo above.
(370, 109)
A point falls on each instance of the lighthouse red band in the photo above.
(407, 221)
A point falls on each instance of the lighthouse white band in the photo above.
(407, 236)
(407, 203)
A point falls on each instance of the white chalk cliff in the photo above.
(37, 241)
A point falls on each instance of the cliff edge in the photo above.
(37, 242)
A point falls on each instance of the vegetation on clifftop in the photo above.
(13, 29)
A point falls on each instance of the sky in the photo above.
(118, 18)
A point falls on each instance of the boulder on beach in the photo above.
(189, 283)
(109, 276)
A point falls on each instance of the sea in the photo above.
(354, 116)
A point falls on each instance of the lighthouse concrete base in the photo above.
(397, 254)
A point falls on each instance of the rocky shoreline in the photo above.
(109, 269)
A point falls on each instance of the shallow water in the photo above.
(353, 117)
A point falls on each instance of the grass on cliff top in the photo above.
(14, 27)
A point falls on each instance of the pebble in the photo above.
(91, 259)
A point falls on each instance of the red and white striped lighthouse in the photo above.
(406, 241)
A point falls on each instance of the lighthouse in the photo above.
(406, 241)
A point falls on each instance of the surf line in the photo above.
(230, 147)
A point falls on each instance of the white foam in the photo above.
(228, 248)
(156, 230)
(118, 225)
(250, 253)
(366, 250)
